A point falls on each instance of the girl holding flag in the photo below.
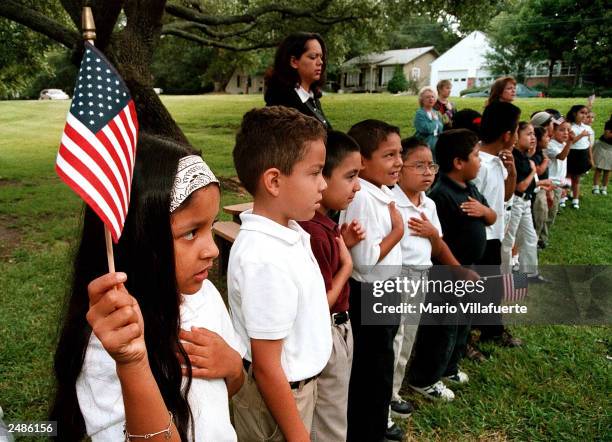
(150, 351)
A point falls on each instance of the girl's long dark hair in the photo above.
(145, 253)
(282, 75)
(571, 114)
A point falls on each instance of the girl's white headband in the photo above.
(192, 174)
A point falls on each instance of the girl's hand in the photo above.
(423, 227)
(473, 208)
(397, 222)
(115, 318)
(352, 233)
(345, 256)
(210, 356)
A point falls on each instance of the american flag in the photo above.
(515, 286)
(98, 147)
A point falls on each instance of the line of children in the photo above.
(303, 363)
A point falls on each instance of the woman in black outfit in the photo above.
(298, 75)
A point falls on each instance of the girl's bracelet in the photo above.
(167, 432)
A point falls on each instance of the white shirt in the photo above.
(490, 182)
(584, 142)
(416, 250)
(371, 208)
(303, 94)
(557, 169)
(276, 291)
(591, 134)
(99, 390)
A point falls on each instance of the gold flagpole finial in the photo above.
(88, 25)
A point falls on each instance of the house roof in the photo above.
(468, 53)
(390, 58)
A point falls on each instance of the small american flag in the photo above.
(515, 286)
(98, 147)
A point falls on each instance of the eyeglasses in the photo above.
(421, 168)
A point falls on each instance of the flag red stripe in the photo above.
(90, 202)
(113, 153)
(93, 180)
(112, 125)
(89, 150)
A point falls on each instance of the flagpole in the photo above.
(89, 35)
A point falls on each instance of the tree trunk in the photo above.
(551, 65)
(131, 51)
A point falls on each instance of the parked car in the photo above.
(522, 91)
(53, 94)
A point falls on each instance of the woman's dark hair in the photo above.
(282, 75)
(454, 143)
(571, 114)
(145, 252)
(498, 88)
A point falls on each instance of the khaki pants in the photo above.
(406, 333)
(552, 213)
(254, 422)
(330, 419)
(540, 215)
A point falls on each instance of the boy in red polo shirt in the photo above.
(330, 244)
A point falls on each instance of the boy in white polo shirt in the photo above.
(496, 181)
(378, 257)
(276, 292)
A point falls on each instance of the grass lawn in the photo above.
(557, 387)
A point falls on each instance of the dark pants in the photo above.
(437, 352)
(441, 339)
(371, 381)
(491, 324)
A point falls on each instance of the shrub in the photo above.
(398, 82)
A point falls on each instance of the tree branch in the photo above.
(216, 44)
(185, 25)
(248, 17)
(38, 22)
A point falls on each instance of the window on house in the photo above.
(387, 74)
(416, 73)
(351, 79)
(237, 80)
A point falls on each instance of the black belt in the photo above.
(524, 195)
(293, 385)
(339, 318)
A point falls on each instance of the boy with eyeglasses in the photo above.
(463, 214)
(422, 239)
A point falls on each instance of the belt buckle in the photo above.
(335, 315)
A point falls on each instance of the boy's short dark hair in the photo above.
(454, 143)
(274, 136)
(498, 118)
(467, 119)
(370, 133)
(338, 146)
(411, 144)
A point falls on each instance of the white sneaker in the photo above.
(576, 204)
(459, 377)
(596, 191)
(436, 391)
(604, 191)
